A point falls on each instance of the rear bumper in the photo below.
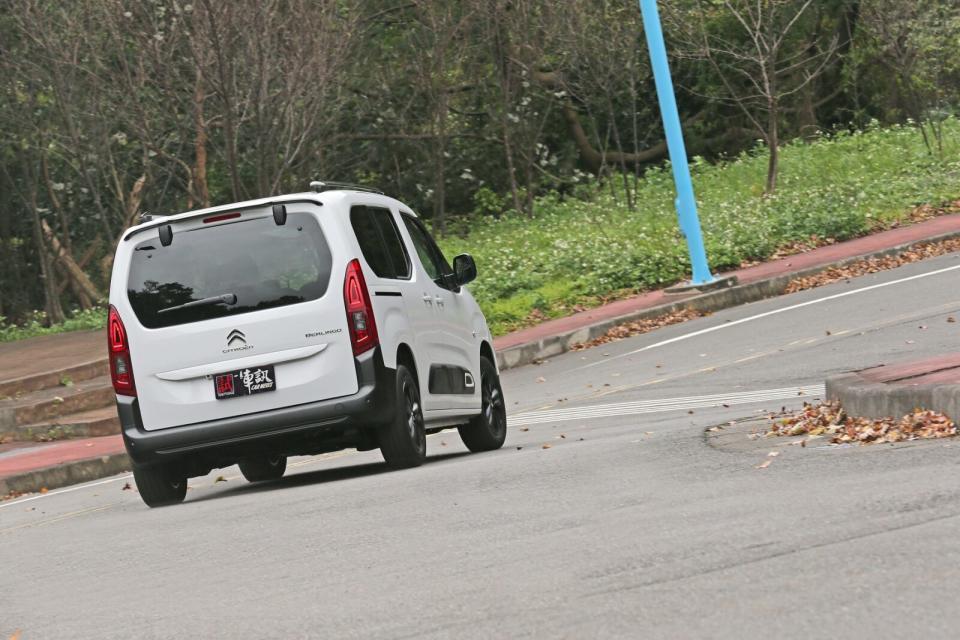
(370, 406)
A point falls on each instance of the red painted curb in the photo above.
(16, 460)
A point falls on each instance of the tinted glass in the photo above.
(262, 264)
(380, 242)
(430, 255)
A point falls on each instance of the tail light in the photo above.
(121, 371)
(356, 297)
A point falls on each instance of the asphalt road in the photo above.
(633, 523)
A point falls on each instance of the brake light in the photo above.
(121, 371)
(356, 297)
(222, 216)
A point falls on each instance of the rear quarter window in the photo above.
(380, 242)
(264, 265)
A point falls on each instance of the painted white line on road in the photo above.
(664, 405)
(767, 314)
(64, 490)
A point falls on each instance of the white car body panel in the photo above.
(308, 343)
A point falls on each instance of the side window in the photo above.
(430, 255)
(380, 241)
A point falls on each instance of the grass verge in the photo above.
(582, 250)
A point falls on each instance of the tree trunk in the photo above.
(200, 144)
(81, 285)
(52, 304)
(773, 142)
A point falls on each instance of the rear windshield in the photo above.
(253, 263)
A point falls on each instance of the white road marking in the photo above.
(64, 490)
(664, 405)
(767, 314)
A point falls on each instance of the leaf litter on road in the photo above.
(829, 420)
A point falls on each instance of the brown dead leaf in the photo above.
(43, 489)
(951, 319)
(874, 265)
(830, 420)
(639, 327)
(443, 443)
(219, 479)
(541, 379)
(126, 487)
(764, 464)
(773, 454)
(16, 635)
(546, 446)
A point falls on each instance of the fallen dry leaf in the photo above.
(546, 446)
(773, 454)
(524, 428)
(639, 327)
(443, 443)
(43, 489)
(126, 487)
(828, 419)
(541, 379)
(951, 319)
(764, 464)
(219, 479)
(16, 635)
(875, 265)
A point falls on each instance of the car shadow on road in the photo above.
(321, 476)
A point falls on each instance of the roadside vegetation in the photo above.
(582, 249)
(524, 131)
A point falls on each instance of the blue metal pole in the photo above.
(686, 203)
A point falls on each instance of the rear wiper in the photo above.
(226, 298)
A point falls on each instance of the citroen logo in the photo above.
(236, 336)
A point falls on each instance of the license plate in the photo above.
(244, 382)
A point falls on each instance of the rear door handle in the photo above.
(439, 300)
(427, 299)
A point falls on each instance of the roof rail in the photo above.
(319, 186)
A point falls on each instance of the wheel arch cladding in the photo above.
(405, 357)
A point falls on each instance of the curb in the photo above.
(61, 475)
(550, 346)
(862, 398)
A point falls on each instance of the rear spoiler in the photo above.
(159, 221)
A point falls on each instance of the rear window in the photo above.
(263, 265)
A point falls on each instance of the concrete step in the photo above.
(85, 424)
(14, 387)
(49, 404)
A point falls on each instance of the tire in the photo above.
(159, 486)
(263, 468)
(488, 430)
(403, 441)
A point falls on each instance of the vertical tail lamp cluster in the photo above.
(121, 369)
(360, 320)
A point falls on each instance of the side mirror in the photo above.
(465, 268)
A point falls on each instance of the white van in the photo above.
(293, 325)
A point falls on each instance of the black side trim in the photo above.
(387, 293)
(448, 379)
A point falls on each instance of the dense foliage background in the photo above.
(482, 114)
